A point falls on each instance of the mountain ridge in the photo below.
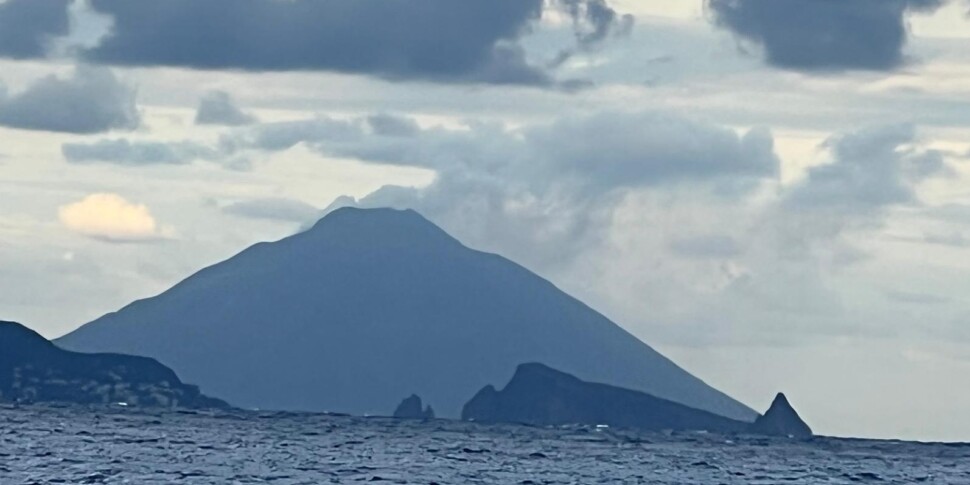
(32, 369)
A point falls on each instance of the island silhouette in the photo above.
(370, 305)
(364, 307)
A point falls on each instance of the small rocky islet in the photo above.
(413, 408)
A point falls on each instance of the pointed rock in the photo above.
(781, 420)
(411, 408)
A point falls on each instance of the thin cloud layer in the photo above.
(820, 35)
(135, 154)
(91, 100)
(274, 208)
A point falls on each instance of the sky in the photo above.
(772, 193)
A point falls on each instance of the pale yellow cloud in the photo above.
(112, 218)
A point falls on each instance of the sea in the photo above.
(116, 445)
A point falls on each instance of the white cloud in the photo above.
(110, 217)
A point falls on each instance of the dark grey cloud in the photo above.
(448, 40)
(92, 100)
(815, 35)
(274, 208)
(28, 26)
(218, 108)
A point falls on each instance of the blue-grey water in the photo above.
(90, 446)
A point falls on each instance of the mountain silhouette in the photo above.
(781, 420)
(33, 370)
(370, 305)
(539, 395)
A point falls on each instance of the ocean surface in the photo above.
(117, 445)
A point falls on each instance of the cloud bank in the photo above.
(450, 41)
(274, 208)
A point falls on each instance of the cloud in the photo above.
(275, 208)
(128, 153)
(283, 135)
(601, 152)
(442, 40)
(390, 125)
(710, 246)
(915, 298)
(92, 100)
(544, 193)
(953, 239)
(649, 148)
(820, 35)
(472, 41)
(111, 218)
(872, 169)
(556, 180)
(593, 22)
(218, 108)
(27, 27)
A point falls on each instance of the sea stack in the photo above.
(413, 408)
(781, 420)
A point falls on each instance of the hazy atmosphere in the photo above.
(774, 203)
